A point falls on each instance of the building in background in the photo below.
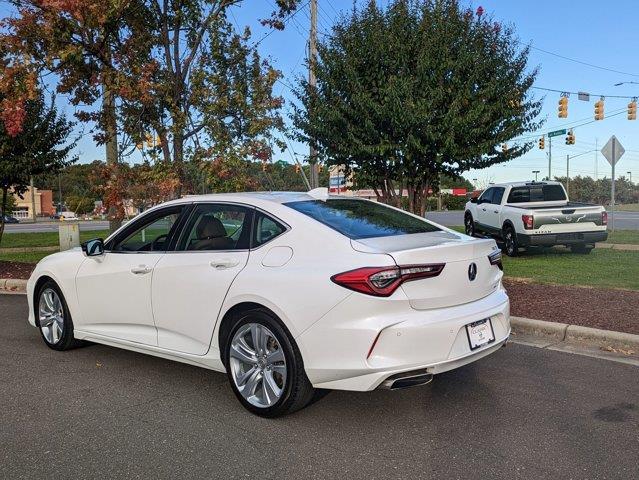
(43, 203)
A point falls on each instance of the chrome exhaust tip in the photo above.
(407, 380)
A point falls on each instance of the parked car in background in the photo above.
(67, 215)
(10, 219)
(286, 292)
(525, 214)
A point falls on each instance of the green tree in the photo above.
(41, 145)
(418, 89)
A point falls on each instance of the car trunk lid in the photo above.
(467, 276)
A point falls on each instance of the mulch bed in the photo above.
(590, 307)
(16, 269)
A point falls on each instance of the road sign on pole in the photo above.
(613, 151)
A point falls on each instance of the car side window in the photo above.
(498, 194)
(487, 196)
(150, 234)
(265, 229)
(217, 226)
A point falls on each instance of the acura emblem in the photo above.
(472, 271)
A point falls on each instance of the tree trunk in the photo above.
(3, 209)
(108, 107)
(178, 159)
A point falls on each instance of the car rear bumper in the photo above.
(549, 239)
(400, 339)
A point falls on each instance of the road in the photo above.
(522, 413)
(623, 220)
(52, 226)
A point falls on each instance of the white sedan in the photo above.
(288, 293)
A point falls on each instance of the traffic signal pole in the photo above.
(549, 156)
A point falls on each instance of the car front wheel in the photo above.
(265, 367)
(53, 318)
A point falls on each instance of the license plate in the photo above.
(480, 333)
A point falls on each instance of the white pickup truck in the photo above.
(524, 214)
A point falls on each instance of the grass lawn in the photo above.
(29, 257)
(602, 268)
(623, 236)
(44, 239)
(630, 207)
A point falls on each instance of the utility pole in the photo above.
(630, 175)
(312, 58)
(535, 172)
(33, 205)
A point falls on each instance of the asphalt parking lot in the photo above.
(102, 412)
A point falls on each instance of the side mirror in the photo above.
(473, 200)
(93, 248)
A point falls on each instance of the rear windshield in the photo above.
(537, 193)
(358, 219)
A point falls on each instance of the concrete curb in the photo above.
(13, 285)
(562, 332)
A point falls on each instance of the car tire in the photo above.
(53, 318)
(581, 248)
(469, 225)
(511, 248)
(268, 378)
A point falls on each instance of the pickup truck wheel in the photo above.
(510, 242)
(469, 225)
(581, 248)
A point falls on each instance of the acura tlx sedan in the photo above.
(288, 293)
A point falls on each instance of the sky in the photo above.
(584, 46)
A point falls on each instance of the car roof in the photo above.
(257, 198)
(525, 183)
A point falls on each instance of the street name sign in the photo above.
(556, 133)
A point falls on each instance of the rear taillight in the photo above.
(495, 259)
(604, 218)
(383, 281)
(529, 221)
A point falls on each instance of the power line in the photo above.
(285, 21)
(577, 93)
(584, 63)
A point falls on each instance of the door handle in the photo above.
(495, 211)
(141, 269)
(223, 263)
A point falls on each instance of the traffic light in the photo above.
(298, 169)
(504, 147)
(320, 167)
(570, 138)
(599, 109)
(542, 143)
(264, 166)
(632, 110)
(563, 107)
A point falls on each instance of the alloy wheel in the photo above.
(469, 226)
(258, 365)
(51, 316)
